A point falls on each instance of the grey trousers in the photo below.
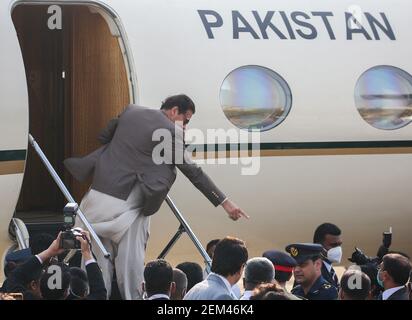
(124, 232)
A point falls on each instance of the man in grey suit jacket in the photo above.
(227, 267)
(131, 179)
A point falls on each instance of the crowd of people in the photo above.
(35, 273)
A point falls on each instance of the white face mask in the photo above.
(335, 254)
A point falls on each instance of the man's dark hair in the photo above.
(9, 268)
(79, 282)
(50, 286)
(211, 244)
(182, 101)
(25, 278)
(398, 267)
(350, 286)
(282, 296)
(193, 271)
(264, 288)
(158, 275)
(323, 230)
(40, 242)
(230, 255)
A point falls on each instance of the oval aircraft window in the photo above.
(255, 98)
(383, 97)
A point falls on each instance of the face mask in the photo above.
(378, 279)
(335, 254)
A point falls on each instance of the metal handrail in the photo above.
(184, 227)
(19, 236)
(68, 196)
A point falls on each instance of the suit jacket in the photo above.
(328, 276)
(212, 288)
(401, 294)
(126, 158)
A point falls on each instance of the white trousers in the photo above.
(124, 232)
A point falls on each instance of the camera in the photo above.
(68, 237)
(359, 258)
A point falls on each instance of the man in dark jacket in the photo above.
(393, 276)
(26, 278)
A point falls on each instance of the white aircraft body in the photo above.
(327, 84)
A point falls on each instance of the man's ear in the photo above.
(172, 288)
(385, 275)
(66, 294)
(33, 285)
(175, 111)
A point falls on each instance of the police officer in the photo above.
(308, 275)
(283, 264)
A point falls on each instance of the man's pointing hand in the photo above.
(233, 210)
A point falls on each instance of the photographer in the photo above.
(31, 280)
(80, 282)
(370, 265)
(26, 278)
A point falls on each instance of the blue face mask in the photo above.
(378, 279)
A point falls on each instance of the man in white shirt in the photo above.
(393, 275)
(210, 249)
(257, 271)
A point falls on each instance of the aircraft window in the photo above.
(383, 96)
(255, 97)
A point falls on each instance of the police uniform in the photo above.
(281, 261)
(321, 289)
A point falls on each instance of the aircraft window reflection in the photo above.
(383, 97)
(255, 98)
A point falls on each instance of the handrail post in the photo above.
(67, 194)
(190, 233)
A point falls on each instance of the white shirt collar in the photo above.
(227, 283)
(246, 295)
(157, 296)
(327, 265)
(387, 293)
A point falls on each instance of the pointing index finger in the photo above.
(244, 214)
